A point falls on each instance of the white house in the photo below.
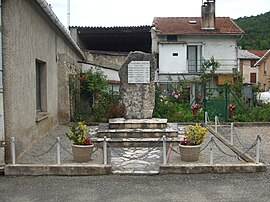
(182, 43)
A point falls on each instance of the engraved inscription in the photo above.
(139, 72)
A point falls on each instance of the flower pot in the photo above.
(82, 153)
(190, 152)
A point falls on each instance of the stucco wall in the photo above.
(223, 48)
(29, 35)
(264, 77)
(247, 69)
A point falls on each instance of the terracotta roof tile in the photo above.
(259, 53)
(181, 25)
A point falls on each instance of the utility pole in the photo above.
(68, 13)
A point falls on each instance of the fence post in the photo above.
(105, 151)
(216, 122)
(258, 149)
(205, 118)
(211, 152)
(58, 151)
(164, 150)
(13, 151)
(232, 133)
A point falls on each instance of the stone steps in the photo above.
(170, 131)
(137, 142)
(121, 123)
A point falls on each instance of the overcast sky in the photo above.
(141, 12)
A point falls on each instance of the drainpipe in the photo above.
(2, 131)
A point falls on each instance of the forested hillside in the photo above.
(257, 29)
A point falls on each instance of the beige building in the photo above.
(39, 58)
(264, 71)
(246, 61)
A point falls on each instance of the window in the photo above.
(171, 38)
(41, 86)
(265, 67)
(194, 58)
(252, 77)
(175, 54)
(252, 63)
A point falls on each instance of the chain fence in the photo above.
(51, 153)
(214, 145)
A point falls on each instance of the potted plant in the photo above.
(190, 144)
(82, 147)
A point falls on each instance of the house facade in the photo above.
(183, 43)
(39, 58)
(249, 71)
(263, 65)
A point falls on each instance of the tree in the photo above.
(264, 45)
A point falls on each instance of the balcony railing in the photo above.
(226, 65)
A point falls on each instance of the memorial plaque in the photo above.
(139, 72)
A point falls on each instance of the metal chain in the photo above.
(36, 156)
(175, 150)
(222, 150)
(225, 133)
(245, 147)
(97, 147)
(206, 145)
(94, 150)
(65, 149)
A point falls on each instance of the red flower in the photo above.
(195, 106)
(183, 141)
(87, 141)
(82, 78)
(231, 107)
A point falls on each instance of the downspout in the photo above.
(2, 129)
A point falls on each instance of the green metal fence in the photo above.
(216, 101)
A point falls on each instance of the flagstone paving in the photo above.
(136, 160)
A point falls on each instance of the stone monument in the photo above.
(137, 85)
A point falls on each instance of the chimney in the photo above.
(208, 15)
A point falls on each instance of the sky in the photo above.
(107, 13)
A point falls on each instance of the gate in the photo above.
(216, 101)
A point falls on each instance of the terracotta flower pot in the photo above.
(82, 153)
(190, 152)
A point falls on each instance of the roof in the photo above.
(264, 57)
(259, 53)
(245, 54)
(181, 25)
(51, 15)
(120, 39)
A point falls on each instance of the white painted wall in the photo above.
(223, 48)
(170, 63)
